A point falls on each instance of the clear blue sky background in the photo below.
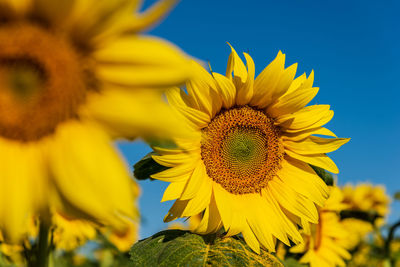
(353, 47)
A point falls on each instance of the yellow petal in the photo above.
(102, 18)
(128, 114)
(295, 85)
(23, 184)
(176, 210)
(152, 15)
(293, 202)
(298, 136)
(266, 81)
(245, 91)
(83, 162)
(174, 190)
(178, 173)
(176, 97)
(251, 239)
(173, 160)
(308, 83)
(201, 90)
(293, 102)
(315, 145)
(302, 178)
(226, 89)
(319, 160)
(224, 202)
(201, 200)
(259, 224)
(195, 182)
(284, 82)
(141, 51)
(287, 227)
(211, 221)
(307, 118)
(130, 75)
(236, 65)
(195, 118)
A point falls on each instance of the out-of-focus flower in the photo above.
(367, 197)
(248, 168)
(74, 75)
(15, 252)
(68, 234)
(357, 229)
(191, 223)
(322, 242)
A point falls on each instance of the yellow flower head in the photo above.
(367, 197)
(247, 170)
(323, 243)
(73, 75)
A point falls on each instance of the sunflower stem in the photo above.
(42, 256)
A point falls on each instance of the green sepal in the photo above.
(147, 166)
(324, 175)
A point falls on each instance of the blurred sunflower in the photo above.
(322, 241)
(73, 75)
(247, 169)
(69, 234)
(369, 198)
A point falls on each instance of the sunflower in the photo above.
(322, 242)
(247, 169)
(367, 197)
(73, 76)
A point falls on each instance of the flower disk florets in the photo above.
(241, 149)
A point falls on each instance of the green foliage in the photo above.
(181, 248)
(397, 195)
(324, 175)
(147, 166)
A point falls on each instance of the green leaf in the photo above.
(146, 167)
(182, 248)
(324, 175)
(397, 195)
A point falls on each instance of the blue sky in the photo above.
(353, 47)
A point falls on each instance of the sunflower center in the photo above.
(42, 82)
(241, 150)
